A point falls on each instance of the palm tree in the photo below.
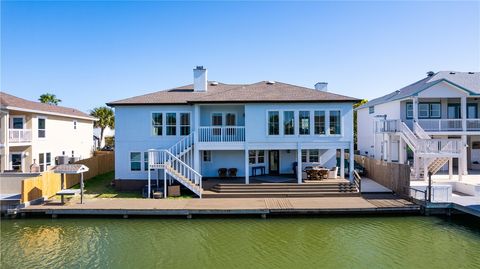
(106, 118)
(49, 98)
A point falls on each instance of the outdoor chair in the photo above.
(222, 172)
(333, 172)
(232, 172)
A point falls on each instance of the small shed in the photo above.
(70, 169)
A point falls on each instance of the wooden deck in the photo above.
(230, 206)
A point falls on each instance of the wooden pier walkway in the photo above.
(228, 206)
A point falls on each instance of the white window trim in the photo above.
(164, 123)
(296, 113)
(23, 117)
(37, 136)
(203, 156)
(11, 161)
(130, 161)
(224, 118)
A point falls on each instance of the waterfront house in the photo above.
(433, 124)
(213, 129)
(33, 132)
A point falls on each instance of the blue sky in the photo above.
(89, 53)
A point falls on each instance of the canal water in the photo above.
(340, 242)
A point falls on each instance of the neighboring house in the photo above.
(211, 125)
(433, 123)
(36, 132)
(106, 133)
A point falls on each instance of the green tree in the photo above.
(105, 118)
(49, 98)
(355, 136)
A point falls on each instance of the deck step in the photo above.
(208, 194)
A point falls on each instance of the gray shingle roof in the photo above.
(470, 81)
(8, 100)
(259, 92)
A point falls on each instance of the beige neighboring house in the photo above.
(33, 132)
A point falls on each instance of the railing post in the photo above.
(429, 187)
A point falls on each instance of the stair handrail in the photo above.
(409, 134)
(182, 168)
(420, 131)
(183, 144)
(357, 180)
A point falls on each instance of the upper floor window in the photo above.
(157, 123)
(230, 119)
(304, 121)
(319, 121)
(425, 110)
(371, 109)
(335, 122)
(41, 127)
(17, 123)
(171, 123)
(453, 111)
(273, 123)
(184, 123)
(288, 122)
(472, 111)
(409, 109)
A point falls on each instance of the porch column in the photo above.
(464, 155)
(389, 148)
(196, 158)
(450, 168)
(342, 163)
(247, 167)
(351, 161)
(5, 153)
(416, 165)
(425, 169)
(415, 110)
(299, 164)
(460, 164)
(401, 151)
(463, 113)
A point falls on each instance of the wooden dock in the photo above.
(228, 206)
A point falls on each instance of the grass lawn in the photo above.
(99, 187)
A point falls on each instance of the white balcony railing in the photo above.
(19, 135)
(387, 126)
(473, 124)
(446, 146)
(221, 134)
(441, 125)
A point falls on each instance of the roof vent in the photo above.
(270, 82)
(430, 73)
(452, 73)
(214, 83)
(321, 86)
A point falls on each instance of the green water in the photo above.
(359, 242)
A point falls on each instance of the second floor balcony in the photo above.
(19, 136)
(221, 134)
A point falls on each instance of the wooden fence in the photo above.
(394, 176)
(48, 183)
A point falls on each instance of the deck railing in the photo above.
(446, 146)
(441, 125)
(19, 135)
(387, 126)
(473, 124)
(221, 134)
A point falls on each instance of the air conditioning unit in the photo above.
(62, 159)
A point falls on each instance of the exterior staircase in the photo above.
(433, 153)
(177, 162)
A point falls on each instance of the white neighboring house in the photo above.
(199, 128)
(433, 123)
(106, 133)
(33, 131)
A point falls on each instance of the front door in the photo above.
(274, 162)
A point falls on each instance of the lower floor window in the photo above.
(16, 159)
(135, 161)
(310, 155)
(256, 156)
(41, 161)
(207, 156)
